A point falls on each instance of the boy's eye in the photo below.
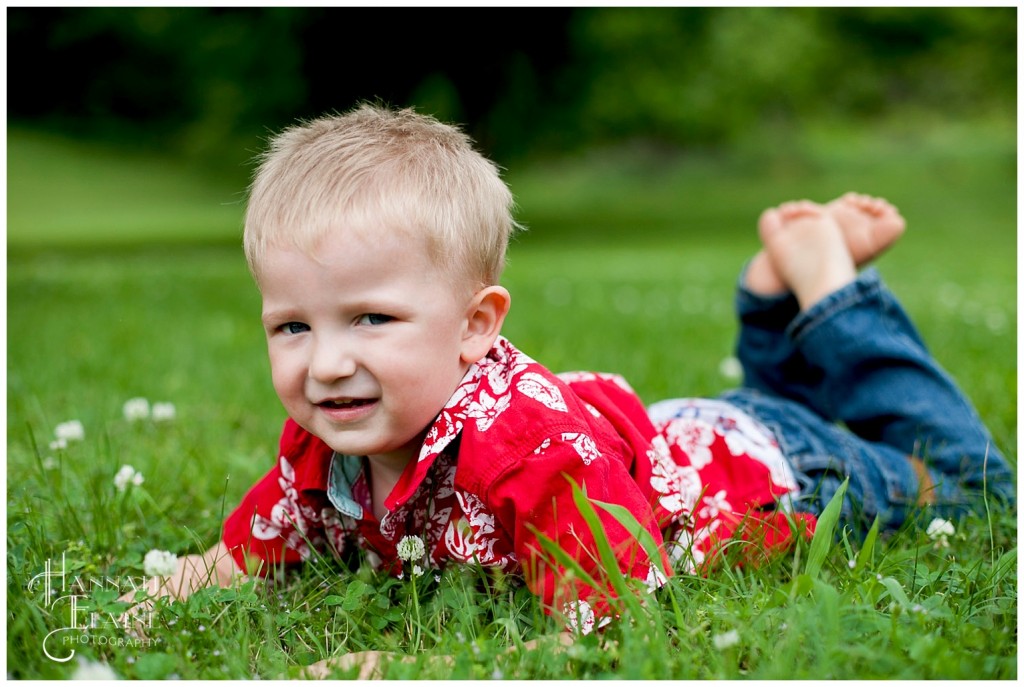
(294, 327)
(375, 319)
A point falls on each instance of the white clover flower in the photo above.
(160, 563)
(163, 412)
(127, 475)
(50, 463)
(136, 409)
(93, 670)
(940, 527)
(58, 444)
(726, 639)
(730, 368)
(939, 530)
(71, 430)
(410, 548)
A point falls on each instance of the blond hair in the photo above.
(375, 168)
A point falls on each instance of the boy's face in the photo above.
(366, 341)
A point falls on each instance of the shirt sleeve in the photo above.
(274, 524)
(533, 499)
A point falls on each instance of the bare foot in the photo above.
(807, 250)
(761, 278)
(870, 225)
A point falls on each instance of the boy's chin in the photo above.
(398, 456)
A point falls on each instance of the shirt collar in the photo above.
(341, 475)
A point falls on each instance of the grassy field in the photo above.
(130, 269)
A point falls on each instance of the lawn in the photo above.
(130, 269)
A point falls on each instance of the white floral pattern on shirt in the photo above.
(743, 434)
(714, 505)
(694, 437)
(486, 410)
(686, 546)
(679, 485)
(539, 389)
(472, 537)
(583, 445)
(289, 518)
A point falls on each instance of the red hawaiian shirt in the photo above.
(493, 480)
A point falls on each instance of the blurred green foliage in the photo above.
(209, 82)
(709, 75)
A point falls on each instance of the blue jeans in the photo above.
(855, 358)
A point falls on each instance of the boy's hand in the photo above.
(215, 567)
(368, 662)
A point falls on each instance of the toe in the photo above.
(799, 208)
(769, 223)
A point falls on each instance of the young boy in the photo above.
(419, 435)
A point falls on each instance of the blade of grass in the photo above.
(609, 562)
(868, 549)
(639, 532)
(552, 548)
(824, 532)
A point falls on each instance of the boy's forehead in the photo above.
(382, 244)
(369, 238)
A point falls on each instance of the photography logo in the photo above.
(71, 599)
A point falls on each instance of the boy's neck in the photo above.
(384, 473)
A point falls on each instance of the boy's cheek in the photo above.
(284, 387)
(281, 364)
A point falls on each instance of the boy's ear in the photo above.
(484, 317)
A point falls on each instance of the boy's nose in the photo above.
(331, 360)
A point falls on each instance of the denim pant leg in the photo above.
(883, 483)
(855, 358)
(771, 362)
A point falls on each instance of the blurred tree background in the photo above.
(207, 83)
(141, 124)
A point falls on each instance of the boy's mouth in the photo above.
(345, 402)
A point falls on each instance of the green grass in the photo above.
(134, 286)
(65, 192)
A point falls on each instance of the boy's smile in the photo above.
(367, 340)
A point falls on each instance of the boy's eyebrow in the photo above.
(377, 304)
(282, 314)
